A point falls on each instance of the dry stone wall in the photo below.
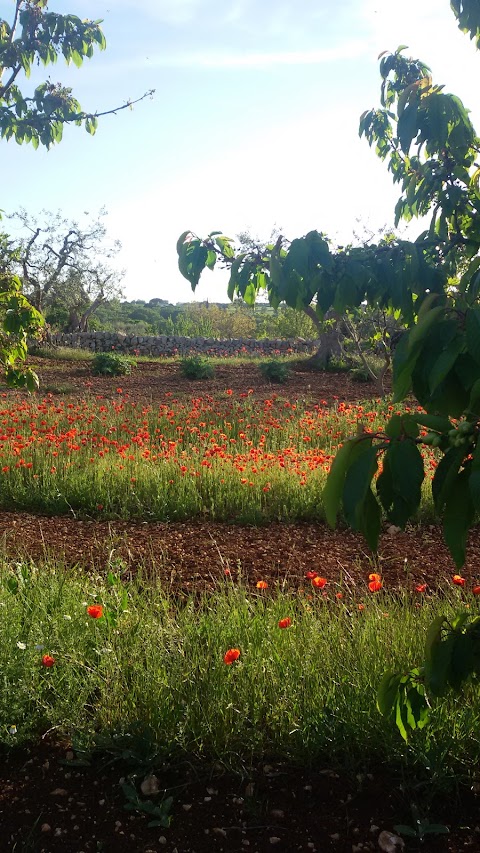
(177, 345)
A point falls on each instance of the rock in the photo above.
(219, 831)
(390, 843)
(45, 827)
(150, 785)
(59, 792)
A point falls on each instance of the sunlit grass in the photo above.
(305, 693)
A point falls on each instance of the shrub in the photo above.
(195, 367)
(360, 374)
(112, 364)
(275, 371)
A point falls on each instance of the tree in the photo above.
(37, 36)
(63, 264)
(432, 150)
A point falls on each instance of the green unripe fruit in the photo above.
(429, 438)
(437, 441)
(466, 428)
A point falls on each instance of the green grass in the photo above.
(304, 694)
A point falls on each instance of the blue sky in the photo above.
(254, 122)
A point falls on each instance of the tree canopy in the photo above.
(36, 36)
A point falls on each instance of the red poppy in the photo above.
(375, 586)
(374, 577)
(48, 661)
(319, 583)
(95, 611)
(262, 585)
(361, 607)
(231, 656)
(421, 587)
(476, 590)
(285, 623)
(339, 595)
(458, 580)
(311, 575)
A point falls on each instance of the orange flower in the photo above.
(421, 587)
(285, 623)
(375, 586)
(374, 577)
(361, 607)
(339, 595)
(48, 661)
(262, 585)
(458, 580)
(319, 583)
(95, 611)
(476, 590)
(231, 656)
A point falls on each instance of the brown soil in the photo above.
(49, 806)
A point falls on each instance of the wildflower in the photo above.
(231, 656)
(227, 572)
(95, 611)
(421, 587)
(476, 590)
(311, 575)
(374, 577)
(284, 623)
(375, 586)
(339, 595)
(361, 607)
(458, 580)
(262, 585)
(21, 646)
(12, 730)
(318, 582)
(48, 661)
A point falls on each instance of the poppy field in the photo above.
(246, 661)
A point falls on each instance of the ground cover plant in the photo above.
(228, 457)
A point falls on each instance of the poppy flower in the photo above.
(311, 575)
(48, 661)
(374, 577)
(361, 607)
(458, 580)
(318, 582)
(95, 611)
(421, 587)
(231, 656)
(339, 595)
(284, 623)
(375, 586)
(262, 585)
(476, 590)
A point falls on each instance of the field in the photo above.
(153, 525)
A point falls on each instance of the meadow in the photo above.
(244, 672)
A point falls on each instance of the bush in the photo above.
(112, 364)
(275, 371)
(195, 367)
(360, 374)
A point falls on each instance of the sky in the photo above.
(253, 124)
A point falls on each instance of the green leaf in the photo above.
(332, 493)
(472, 327)
(387, 693)
(357, 483)
(445, 362)
(458, 517)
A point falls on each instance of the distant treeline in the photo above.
(211, 320)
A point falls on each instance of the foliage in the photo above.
(156, 661)
(111, 364)
(275, 371)
(35, 36)
(196, 367)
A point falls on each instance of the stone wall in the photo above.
(177, 345)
